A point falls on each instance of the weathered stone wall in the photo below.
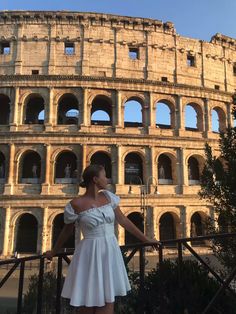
(101, 66)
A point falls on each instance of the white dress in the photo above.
(97, 272)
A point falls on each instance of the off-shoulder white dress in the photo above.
(97, 272)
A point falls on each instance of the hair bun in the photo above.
(82, 184)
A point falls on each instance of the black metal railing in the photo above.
(130, 250)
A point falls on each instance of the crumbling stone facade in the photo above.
(57, 69)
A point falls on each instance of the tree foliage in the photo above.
(218, 187)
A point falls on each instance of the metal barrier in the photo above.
(131, 249)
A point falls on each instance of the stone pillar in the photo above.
(47, 167)
(120, 166)
(51, 114)
(180, 170)
(14, 110)
(6, 235)
(19, 48)
(152, 112)
(9, 187)
(230, 119)
(180, 118)
(85, 110)
(45, 233)
(84, 154)
(52, 49)
(119, 111)
(183, 218)
(207, 117)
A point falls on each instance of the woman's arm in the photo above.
(129, 226)
(63, 236)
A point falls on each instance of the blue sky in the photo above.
(192, 18)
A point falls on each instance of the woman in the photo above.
(96, 273)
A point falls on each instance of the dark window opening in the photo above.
(5, 49)
(69, 48)
(234, 69)
(217, 87)
(133, 53)
(164, 79)
(34, 72)
(190, 61)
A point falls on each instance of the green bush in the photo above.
(163, 293)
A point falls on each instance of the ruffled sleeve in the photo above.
(115, 200)
(69, 214)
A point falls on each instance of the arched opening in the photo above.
(101, 111)
(167, 228)
(215, 124)
(164, 170)
(68, 110)
(57, 226)
(218, 123)
(133, 114)
(66, 168)
(34, 111)
(193, 117)
(133, 169)
(164, 118)
(197, 229)
(30, 166)
(101, 158)
(27, 234)
(137, 220)
(5, 109)
(193, 171)
(2, 168)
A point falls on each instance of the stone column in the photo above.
(119, 111)
(152, 112)
(180, 170)
(180, 119)
(19, 48)
(230, 119)
(120, 169)
(51, 114)
(9, 187)
(6, 235)
(207, 118)
(121, 235)
(183, 218)
(47, 167)
(84, 161)
(85, 110)
(52, 49)
(14, 111)
(45, 233)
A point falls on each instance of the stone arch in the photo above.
(133, 168)
(57, 225)
(169, 227)
(220, 125)
(195, 164)
(29, 170)
(137, 220)
(197, 125)
(26, 233)
(167, 117)
(131, 120)
(5, 107)
(68, 109)
(104, 159)
(34, 105)
(65, 167)
(197, 227)
(101, 104)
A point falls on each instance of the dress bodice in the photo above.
(97, 221)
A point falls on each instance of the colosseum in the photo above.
(67, 81)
